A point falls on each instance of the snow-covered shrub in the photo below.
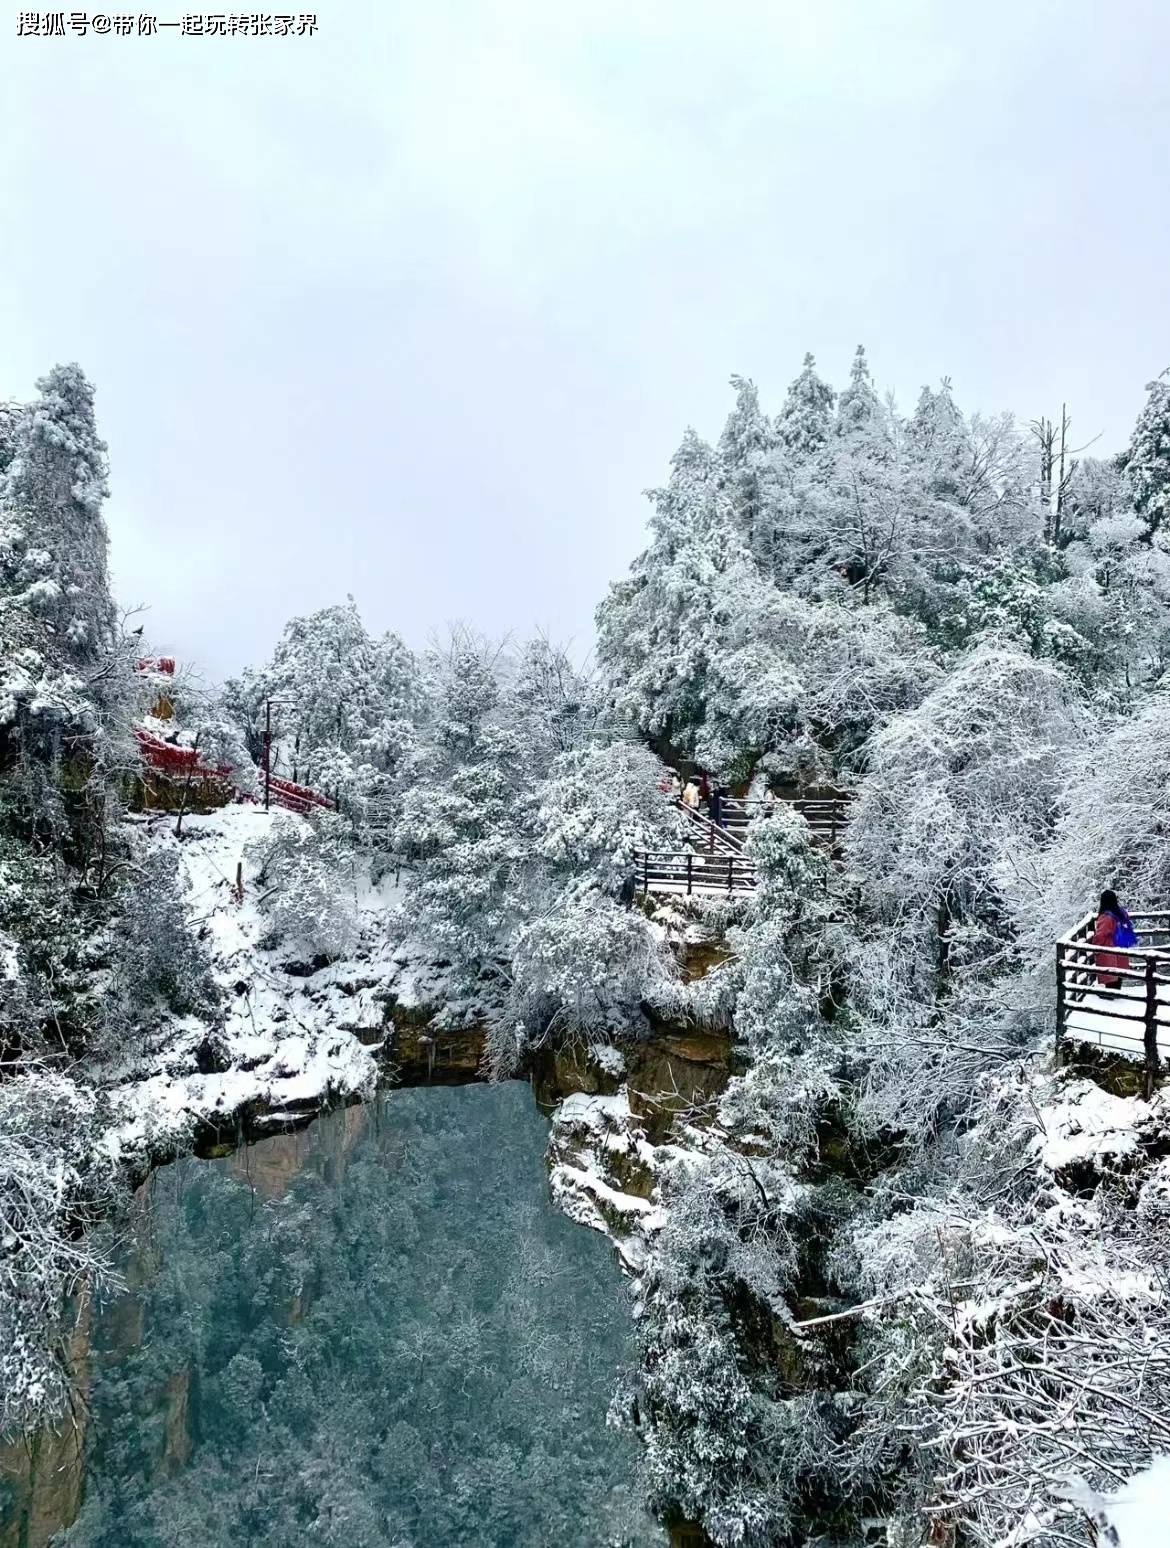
(157, 962)
(53, 1183)
(1114, 825)
(597, 806)
(305, 873)
(579, 972)
(48, 998)
(731, 1438)
(1020, 1334)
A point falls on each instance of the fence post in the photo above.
(690, 864)
(730, 874)
(1151, 1038)
(645, 872)
(1060, 1008)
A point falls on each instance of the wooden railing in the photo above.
(684, 871)
(1131, 1016)
(827, 818)
(709, 835)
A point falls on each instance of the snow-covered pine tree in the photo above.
(652, 626)
(805, 421)
(53, 546)
(1147, 462)
(859, 411)
(746, 449)
(937, 436)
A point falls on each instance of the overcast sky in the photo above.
(414, 309)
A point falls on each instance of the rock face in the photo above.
(428, 1055)
(675, 1073)
(271, 1164)
(621, 1119)
(41, 1475)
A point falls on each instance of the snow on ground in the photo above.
(1140, 1511)
(1137, 1515)
(1117, 1024)
(1088, 1124)
(289, 1042)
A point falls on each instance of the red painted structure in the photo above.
(181, 762)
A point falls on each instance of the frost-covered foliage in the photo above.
(158, 965)
(53, 539)
(50, 1000)
(1147, 461)
(596, 806)
(1114, 823)
(938, 519)
(973, 1315)
(1020, 1359)
(342, 703)
(306, 871)
(53, 1182)
(729, 1441)
(67, 698)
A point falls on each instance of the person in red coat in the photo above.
(1112, 925)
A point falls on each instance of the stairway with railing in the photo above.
(715, 863)
(1121, 1006)
(710, 836)
(826, 817)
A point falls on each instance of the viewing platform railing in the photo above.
(827, 817)
(683, 871)
(1130, 1012)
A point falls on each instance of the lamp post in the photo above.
(268, 703)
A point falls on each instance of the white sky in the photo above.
(415, 308)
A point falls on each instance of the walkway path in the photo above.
(715, 864)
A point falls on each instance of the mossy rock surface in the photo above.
(428, 1055)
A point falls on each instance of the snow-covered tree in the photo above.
(340, 699)
(805, 421)
(651, 626)
(10, 412)
(53, 539)
(1114, 822)
(54, 1182)
(957, 803)
(859, 410)
(306, 875)
(937, 437)
(1147, 461)
(746, 450)
(157, 963)
(596, 807)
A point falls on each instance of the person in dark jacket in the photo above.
(1113, 924)
(715, 807)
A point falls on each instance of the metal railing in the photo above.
(1121, 1006)
(684, 871)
